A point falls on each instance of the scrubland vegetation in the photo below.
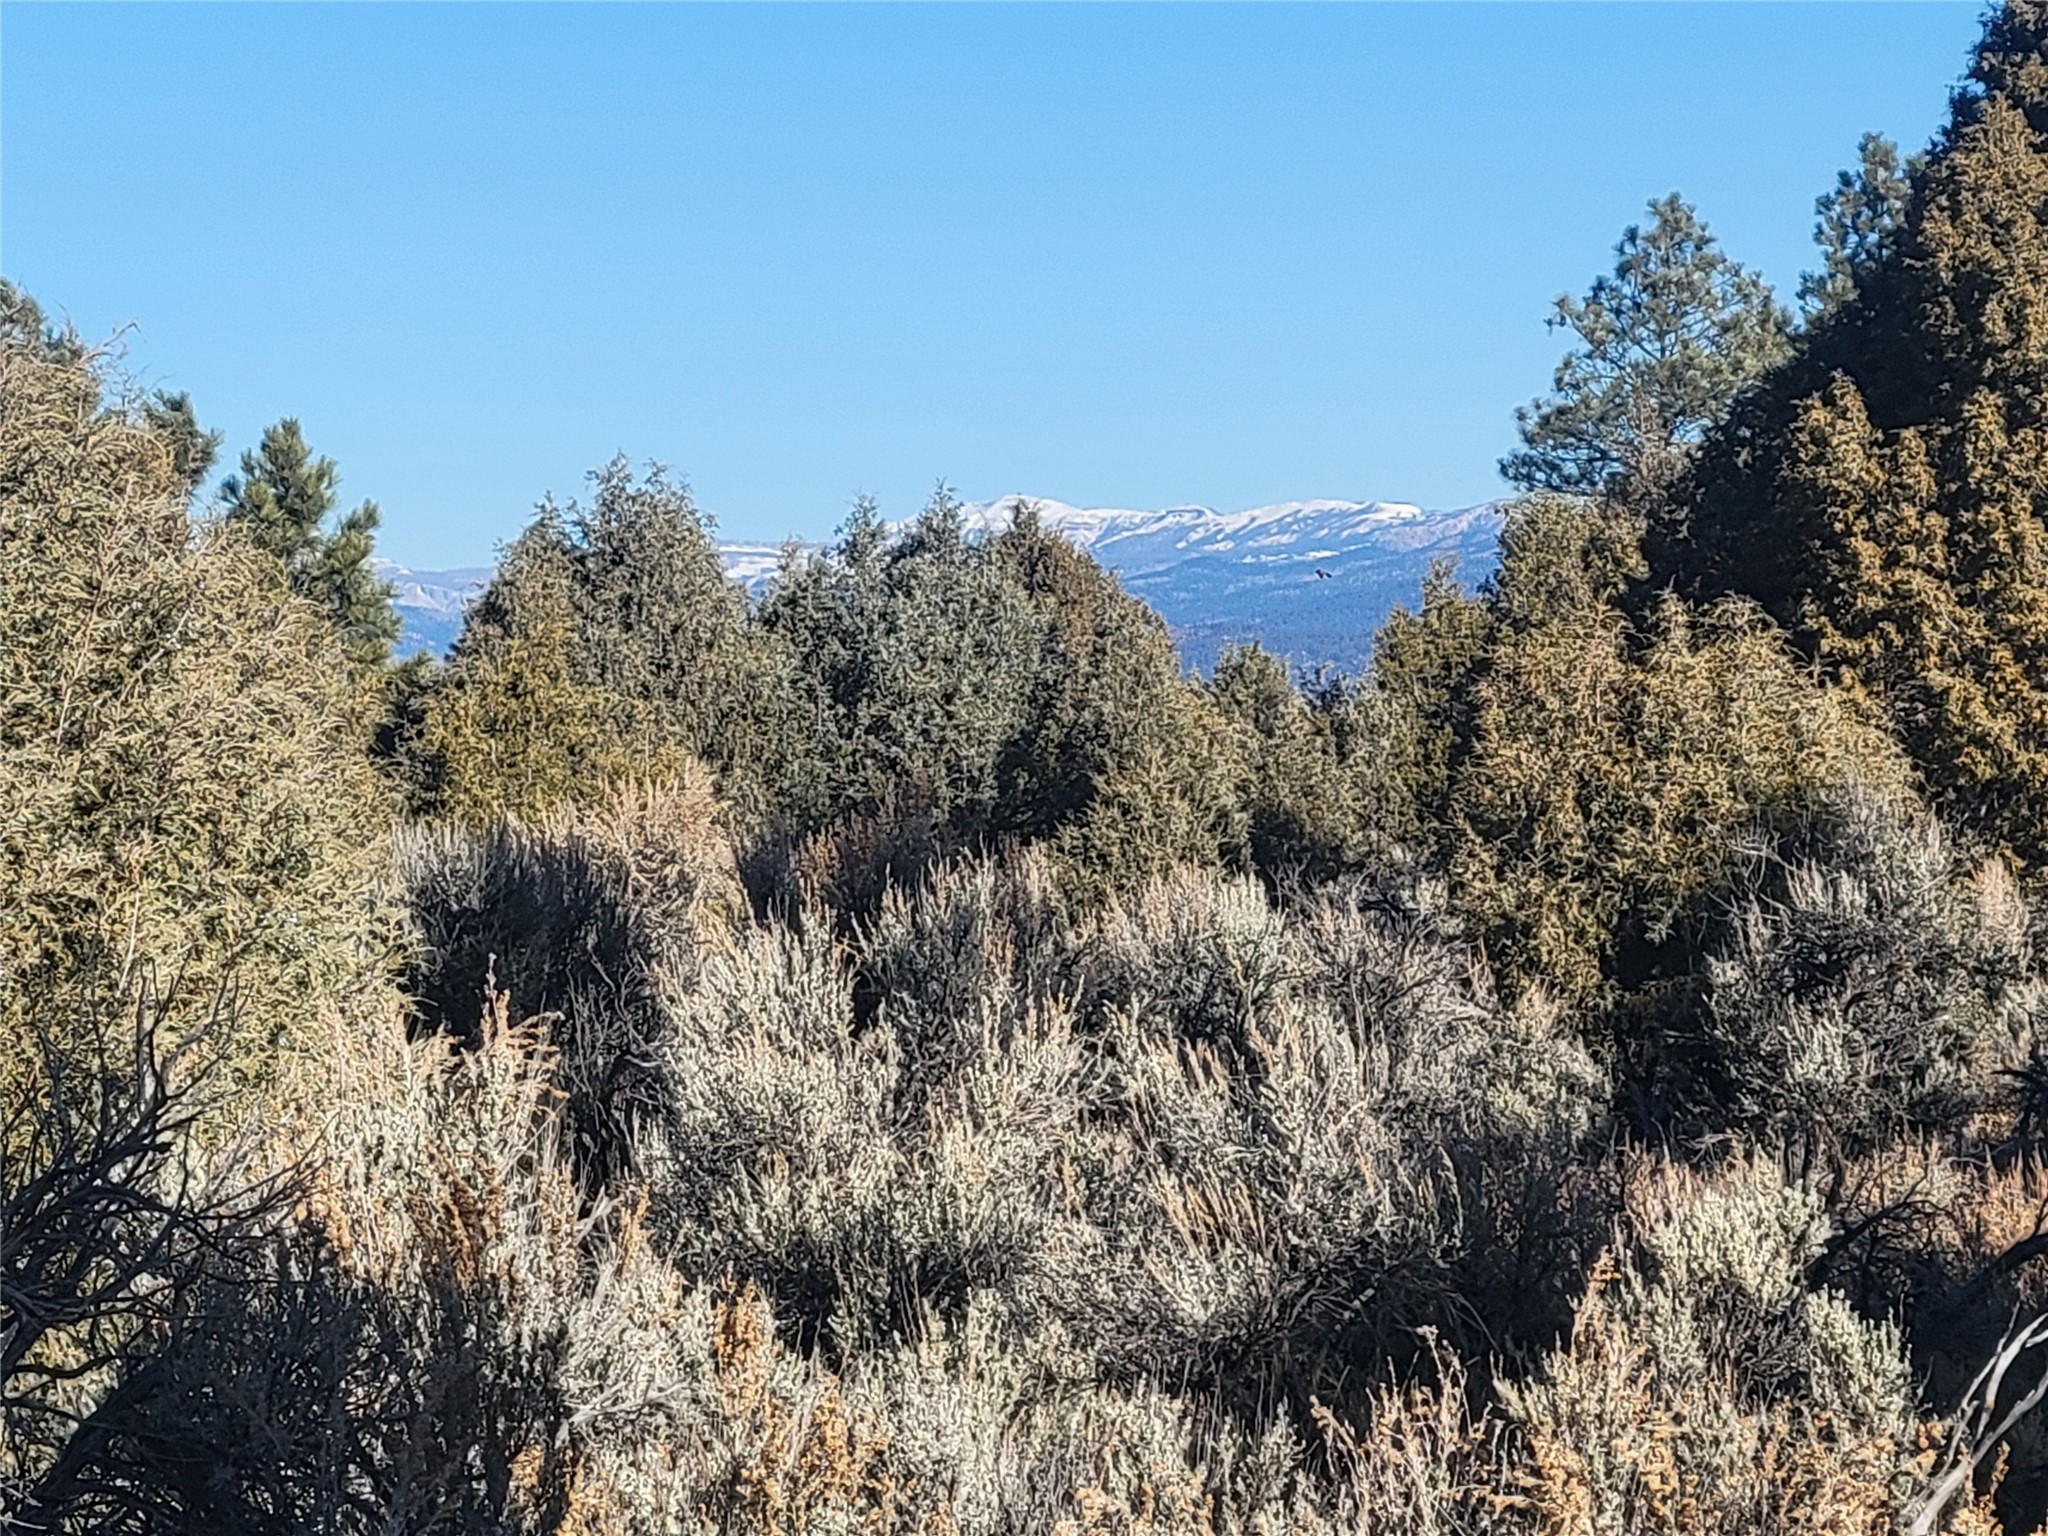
(902, 1056)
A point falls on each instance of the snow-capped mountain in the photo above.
(751, 565)
(430, 604)
(1311, 580)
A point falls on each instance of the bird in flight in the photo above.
(1321, 574)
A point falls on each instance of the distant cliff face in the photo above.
(1311, 580)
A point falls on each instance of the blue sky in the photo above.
(1119, 255)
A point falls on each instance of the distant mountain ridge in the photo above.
(430, 604)
(1311, 580)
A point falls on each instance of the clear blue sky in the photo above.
(1122, 255)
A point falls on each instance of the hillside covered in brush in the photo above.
(891, 1049)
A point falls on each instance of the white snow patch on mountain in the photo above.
(1312, 580)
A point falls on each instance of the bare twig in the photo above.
(1978, 1427)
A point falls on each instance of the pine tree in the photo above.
(1857, 222)
(1883, 494)
(283, 498)
(1664, 345)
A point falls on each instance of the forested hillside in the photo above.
(897, 1052)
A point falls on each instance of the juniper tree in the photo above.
(25, 328)
(1127, 766)
(508, 728)
(1664, 344)
(943, 654)
(179, 791)
(1005, 688)
(661, 632)
(284, 498)
(609, 644)
(1882, 493)
(1301, 799)
(825, 611)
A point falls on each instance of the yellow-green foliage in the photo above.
(1940, 612)
(608, 647)
(183, 785)
(1313, 800)
(1167, 800)
(1883, 493)
(1123, 762)
(1607, 778)
(1410, 713)
(509, 729)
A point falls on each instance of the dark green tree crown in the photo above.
(284, 498)
(1857, 223)
(1664, 345)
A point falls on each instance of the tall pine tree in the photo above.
(1857, 223)
(1664, 344)
(284, 498)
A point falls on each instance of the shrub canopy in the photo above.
(183, 790)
